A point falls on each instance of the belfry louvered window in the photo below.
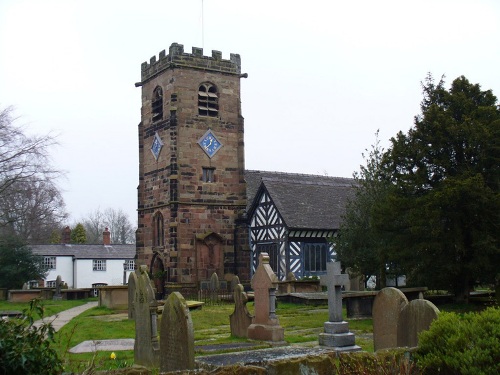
(157, 104)
(208, 100)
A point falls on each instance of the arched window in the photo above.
(158, 231)
(208, 101)
(157, 104)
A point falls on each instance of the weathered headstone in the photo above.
(57, 294)
(387, 307)
(415, 317)
(176, 335)
(214, 288)
(336, 333)
(234, 283)
(214, 282)
(397, 323)
(132, 283)
(265, 324)
(146, 345)
(241, 318)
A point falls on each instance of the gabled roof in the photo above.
(86, 251)
(304, 201)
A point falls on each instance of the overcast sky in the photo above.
(323, 76)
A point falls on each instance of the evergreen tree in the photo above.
(79, 234)
(442, 215)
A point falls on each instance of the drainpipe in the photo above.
(74, 272)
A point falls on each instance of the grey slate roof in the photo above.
(86, 251)
(303, 201)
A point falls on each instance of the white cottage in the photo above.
(87, 266)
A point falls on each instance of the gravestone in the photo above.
(132, 283)
(177, 335)
(235, 281)
(57, 294)
(214, 288)
(265, 324)
(336, 333)
(415, 317)
(397, 323)
(241, 318)
(146, 345)
(214, 282)
(387, 307)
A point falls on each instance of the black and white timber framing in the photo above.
(292, 217)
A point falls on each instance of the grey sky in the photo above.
(323, 76)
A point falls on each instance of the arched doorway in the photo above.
(158, 275)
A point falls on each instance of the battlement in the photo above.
(178, 58)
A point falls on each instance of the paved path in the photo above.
(63, 317)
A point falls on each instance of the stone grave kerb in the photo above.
(334, 280)
(263, 281)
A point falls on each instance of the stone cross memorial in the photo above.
(146, 345)
(176, 335)
(265, 324)
(336, 333)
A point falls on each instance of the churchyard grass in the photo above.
(50, 307)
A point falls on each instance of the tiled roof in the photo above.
(304, 201)
(86, 251)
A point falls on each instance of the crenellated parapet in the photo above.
(178, 58)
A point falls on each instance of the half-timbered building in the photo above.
(292, 217)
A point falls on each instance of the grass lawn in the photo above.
(211, 326)
(50, 307)
(302, 325)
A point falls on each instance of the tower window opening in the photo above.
(208, 174)
(157, 104)
(208, 100)
(158, 231)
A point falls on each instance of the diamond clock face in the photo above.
(156, 146)
(209, 143)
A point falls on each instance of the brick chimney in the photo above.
(66, 235)
(106, 237)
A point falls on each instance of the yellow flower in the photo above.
(113, 355)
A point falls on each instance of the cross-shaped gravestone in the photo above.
(334, 281)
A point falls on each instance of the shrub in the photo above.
(24, 348)
(455, 344)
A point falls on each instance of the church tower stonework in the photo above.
(192, 190)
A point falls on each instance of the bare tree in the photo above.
(117, 222)
(22, 157)
(31, 205)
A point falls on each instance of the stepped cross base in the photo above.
(338, 337)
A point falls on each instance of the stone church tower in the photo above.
(192, 191)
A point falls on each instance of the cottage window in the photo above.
(157, 104)
(99, 265)
(50, 284)
(49, 263)
(208, 100)
(130, 265)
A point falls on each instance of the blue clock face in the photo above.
(209, 143)
(156, 146)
